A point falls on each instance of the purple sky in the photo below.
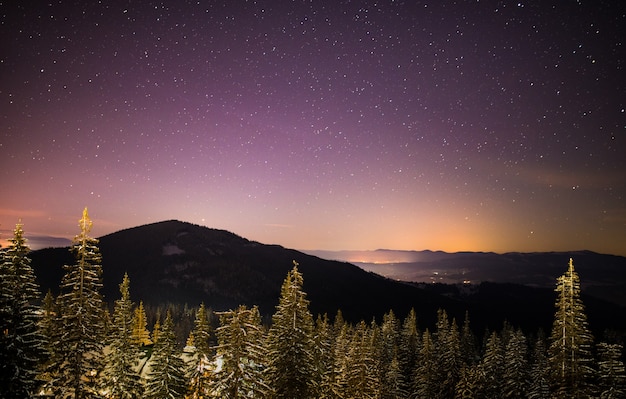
(482, 126)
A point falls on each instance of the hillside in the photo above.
(177, 262)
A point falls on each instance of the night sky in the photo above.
(480, 126)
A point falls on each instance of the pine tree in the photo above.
(80, 335)
(240, 355)
(515, 367)
(22, 344)
(469, 347)
(470, 383)
(448, 355)
(362, 376)
(140, 333)
(389, 341)
(612, 376)
(426, 378)
(166, 378)
(120, 379)
(408, 348)
(341, 351)
(570, 342)
(291, 369)
(492, 367)
(539, 387)
(201, 353)
(324, 359)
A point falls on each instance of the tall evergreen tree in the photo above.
(80, 335)
(469, 347)
(140, 333)
(120, 379)
(570, 357)
(240, 355)
(539, 386)
(515, 374)
(324, 358)
(426, 378)
(612, 375)
(166, 378)
(492, 367)
(291, 369)
(341, 351)
(448, 355)
(22, 344)
(389, 341)
(201, 353)
(362, 376)
(408, 348)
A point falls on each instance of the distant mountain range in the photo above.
(178, 262)
(603, 276)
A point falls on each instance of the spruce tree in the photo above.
(324, 357)
(570, 357)
(612, 375)
(516, 367)
(539, 387)
(341, 352)
(492, 367)
(22, 344)
(408, 348)
(201, 353)
(239, 356)
(426, 378)
(120, 379)
(389, 341)
(166, 378)
(291, 369)
(79, 337)
(140, 333)
(362, 376)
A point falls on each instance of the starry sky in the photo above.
(443, 125)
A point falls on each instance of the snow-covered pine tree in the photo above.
(448, 355)
(569, 353)
(199, 364)
(80, 333)
(425, 378)
(612, 375)
(539, 386)
(166, 378)
(291, 369)
(515, 384)
(140, 333)
(408, 348)
(388, 349)
(341, 351)
(240, 356)
(362, 374)
(120, 379)
(22, 344)
(324, 357)
(492, 367)
(471, 383)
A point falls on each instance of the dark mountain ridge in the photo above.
(178, 262)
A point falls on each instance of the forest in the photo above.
(74, 346)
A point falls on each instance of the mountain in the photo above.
(602, 276)
(178, 262)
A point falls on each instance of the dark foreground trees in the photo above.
(78, 337)
(22, 346)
